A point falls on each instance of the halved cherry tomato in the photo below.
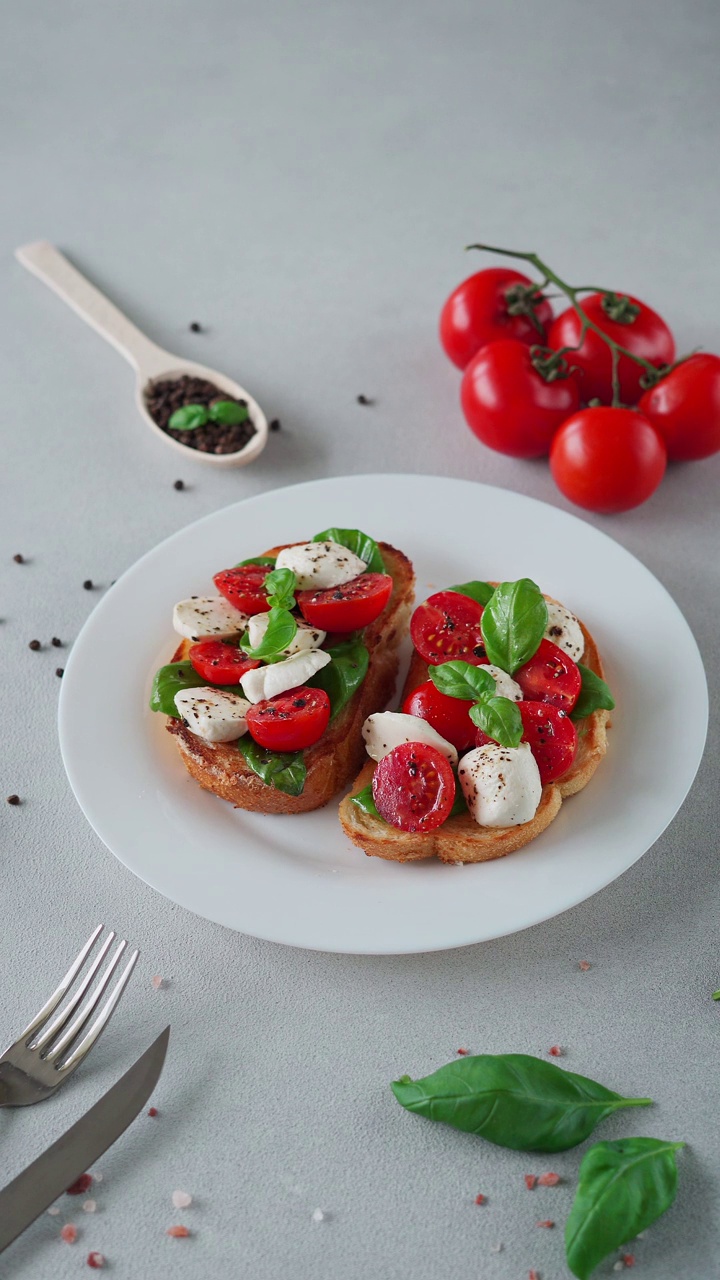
(414, 787)
(477, 312)
(447, 626)
(243, 587)
(448, 715)
(643, 332)
(550, 676)
(220, 663)
(552, 737)
(290, 721)
(347, 608)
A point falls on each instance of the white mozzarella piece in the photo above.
(501, 784)
(208, 618)
(319, 565)
(278, 677)
(565, 631)
(505, 686)
(213, 714)
(386, 730)
(306, 637)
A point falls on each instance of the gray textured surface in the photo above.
(302, 181)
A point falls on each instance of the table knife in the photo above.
(35, 1189)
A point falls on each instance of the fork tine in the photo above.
(57, 1024)
(66, 983)
(57, 1048)
(102, 1019)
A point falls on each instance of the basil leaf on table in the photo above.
(460, 679)
(364, 800)
(281, 630)
(622, 1188)
(480, 591)
(255, 560)
(280, 585)
(189, 417)
(228, 412)
(513, 623)
(513, 1100)
(500, 719)
(594, 695)
(284, 770)
(173, 677)
(344, 674)
(358, 542)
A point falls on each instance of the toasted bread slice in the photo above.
(461, 839)
(333, 761)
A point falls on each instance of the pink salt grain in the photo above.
(69, 1233)
(181, 1199)
(463, 1052)
(530, 1181)
(89, 1206)
(157, 982)
(546, 1222)
(96, 1260)
(628, 1259)
(480, 1199)
(53, 1211)
(178, 1233)
(549, 1179)
(556, 1051)
(153, 1112)
(584, 965)
(533, 1275)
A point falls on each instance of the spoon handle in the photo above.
(46, 262)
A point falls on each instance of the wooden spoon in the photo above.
(151, 363)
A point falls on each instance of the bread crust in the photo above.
(331, 763)
(461, 839)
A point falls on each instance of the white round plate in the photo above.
(297, 880)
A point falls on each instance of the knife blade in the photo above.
(35, 1189)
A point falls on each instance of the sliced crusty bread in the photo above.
(460, 839)
(333, 761)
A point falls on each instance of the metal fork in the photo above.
(49, 1049)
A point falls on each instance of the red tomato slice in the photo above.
(550, 676)
(448, 715)
(552, 737)
(220, 663)
(244, 588)
(347, 608)
(290, 721)
(414, 787)
(447, 626)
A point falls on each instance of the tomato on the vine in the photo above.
(350, 607)
(290, 721)
(685, 408)
(607, 460)
(244, 587)
(220, 663)
(509, 404)
(414, 787)
(447, 626)
(628, 322)
(450, 716)
(479, 311)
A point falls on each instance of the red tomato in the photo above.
(220, 663)
(290, 721)
(646, 335)
(448, 715)
(477, 313)
(347, 608)
(550, 676)
(243, 587)
(685, 408)
(414, 787)
(447, 626)
(607, 459)
(552, 737)
(509, 405)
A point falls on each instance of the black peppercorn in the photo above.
(34, 645)
(179, 484)
(19, 559)
(13, 800)
(195, 327)
(88, 584)
(60, 671)
(275, 424)
(56, 643)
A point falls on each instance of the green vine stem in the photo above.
(552, 364)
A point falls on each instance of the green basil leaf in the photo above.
(513, 623)
(622, 1188)
(344, 674)
(364, 800)
(281, 584)
(513, 1100)
(480, 591)
(173, 677)
(594, 695)
(255, 560)
(229, 412)
(280, 633)
(360, 543)
(284, 770)
(460, 679)
(189, 417)
(500, 719)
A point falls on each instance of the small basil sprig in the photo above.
(191, 416)
(280, 585)
(344, 674)
(498, 717)
(361, 544)
(513, 1100)
(513, 623)
(594, 695)
(173, 677)
(480, 591)
(622, 1188)
(282, 626)
(284, 770)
